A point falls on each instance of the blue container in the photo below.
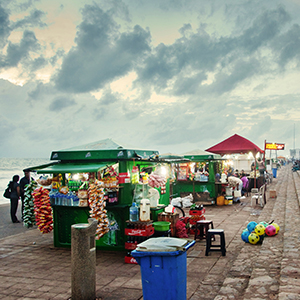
(133, 213)
(274, 170)
(163, 272)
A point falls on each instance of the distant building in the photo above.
(295, 153)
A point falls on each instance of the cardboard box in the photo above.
(272, 194)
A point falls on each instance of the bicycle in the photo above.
(178, 209)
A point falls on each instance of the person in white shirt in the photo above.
(236, 183)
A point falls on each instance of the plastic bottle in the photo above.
(135, 175)
(75, 201)
(57, 199)
(223, 178)
(133, 213)
(68, 199)
(52, 199)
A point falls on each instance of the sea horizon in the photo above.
(10, 166)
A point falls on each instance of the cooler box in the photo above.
(163, 267)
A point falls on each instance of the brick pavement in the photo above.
(31, 268)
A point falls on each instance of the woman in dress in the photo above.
(14, 198)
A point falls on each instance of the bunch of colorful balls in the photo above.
(255, 232)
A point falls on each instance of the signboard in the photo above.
(124, 178)
(183, 171)
(274, 146)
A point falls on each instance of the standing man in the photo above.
(23, 182)
(14, 198)
(261, 166)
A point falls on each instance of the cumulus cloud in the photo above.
(23, 6)
(18, 51)
(33, 20)
(287, 46)
(38, 63)
(206, 84)
(102, 53)
(264, 29)
(59, 54)
(37, 92)
(109, 97)
(27, 53)
(4, 26)
(61, 103)
(233, 59)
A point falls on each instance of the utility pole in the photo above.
(294, 136)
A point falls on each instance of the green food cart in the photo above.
(95, 160)
(198, 176)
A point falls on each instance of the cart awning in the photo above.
(173, 158)
(35, 168)
(72, 168)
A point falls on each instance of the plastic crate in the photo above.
(130, 246)
(130, 260)
(193, 220)
(140, 232)
(196, 212)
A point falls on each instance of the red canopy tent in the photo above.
(236, 144)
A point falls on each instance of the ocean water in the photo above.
(15, 166)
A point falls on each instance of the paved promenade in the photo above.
(31, 268)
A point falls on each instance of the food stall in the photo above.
(237, 144)
(101, 180)
(198, 176)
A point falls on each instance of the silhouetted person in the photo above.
(14, 198)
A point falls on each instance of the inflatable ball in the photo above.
(276, 226)
(245, 235)
(251, 225)
(253, 238)
(264, 223)
(259, 229)
(270, 230)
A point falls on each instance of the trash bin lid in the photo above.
(162, 244)
(81, 225)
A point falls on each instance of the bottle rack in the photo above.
(137, 232)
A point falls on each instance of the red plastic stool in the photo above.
(203, 227)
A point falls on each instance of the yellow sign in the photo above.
(274, 146)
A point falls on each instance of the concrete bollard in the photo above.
(83, 260)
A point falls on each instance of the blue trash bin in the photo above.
(163, 267)
(274, 170)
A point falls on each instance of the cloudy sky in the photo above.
(167, 75)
